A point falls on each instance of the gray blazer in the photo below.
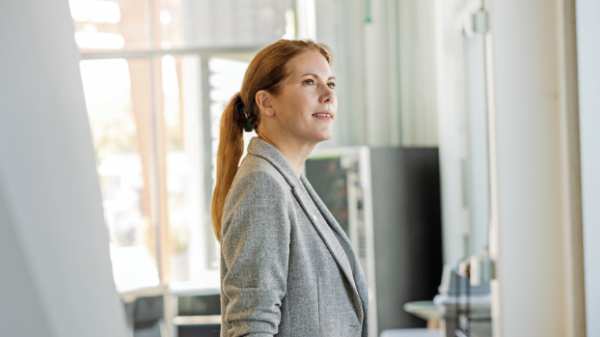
(287, 268)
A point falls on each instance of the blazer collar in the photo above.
(260, 148)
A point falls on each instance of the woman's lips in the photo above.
(323, 116)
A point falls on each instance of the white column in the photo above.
(532, 170)
(56, 277)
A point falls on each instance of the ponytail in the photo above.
(266, 72)
(231, 148)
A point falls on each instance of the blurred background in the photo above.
(463, 167)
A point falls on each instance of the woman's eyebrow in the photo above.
(315, 75)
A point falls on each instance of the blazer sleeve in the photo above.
(255, 240)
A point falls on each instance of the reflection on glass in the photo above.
(110, 25)
(122, 154)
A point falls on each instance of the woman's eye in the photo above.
(331, 85)
(309, 82)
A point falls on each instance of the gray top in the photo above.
(287, 268)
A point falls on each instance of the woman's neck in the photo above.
(295, 153)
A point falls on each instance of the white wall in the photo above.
(57, 277)
(21, 312)
(588, 50)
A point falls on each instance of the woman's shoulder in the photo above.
(257, 166)
(257, 173)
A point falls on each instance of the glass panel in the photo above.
(188, 217)
(110, 25)
(117, 95)
(203, 23)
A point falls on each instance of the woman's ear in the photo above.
(264, 100)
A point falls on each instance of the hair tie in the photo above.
(248, 126)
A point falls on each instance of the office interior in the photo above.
(464, 165)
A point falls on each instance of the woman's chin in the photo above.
(317, 137)
(323, 136)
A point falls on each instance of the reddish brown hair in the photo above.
(266, 72)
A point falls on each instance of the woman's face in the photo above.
(306, 105)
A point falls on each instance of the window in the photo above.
(157, 76)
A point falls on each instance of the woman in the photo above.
(287, 268)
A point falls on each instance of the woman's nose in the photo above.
(327, 95)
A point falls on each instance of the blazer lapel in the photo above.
(335, 226)
(349, 253)
(332, 244)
